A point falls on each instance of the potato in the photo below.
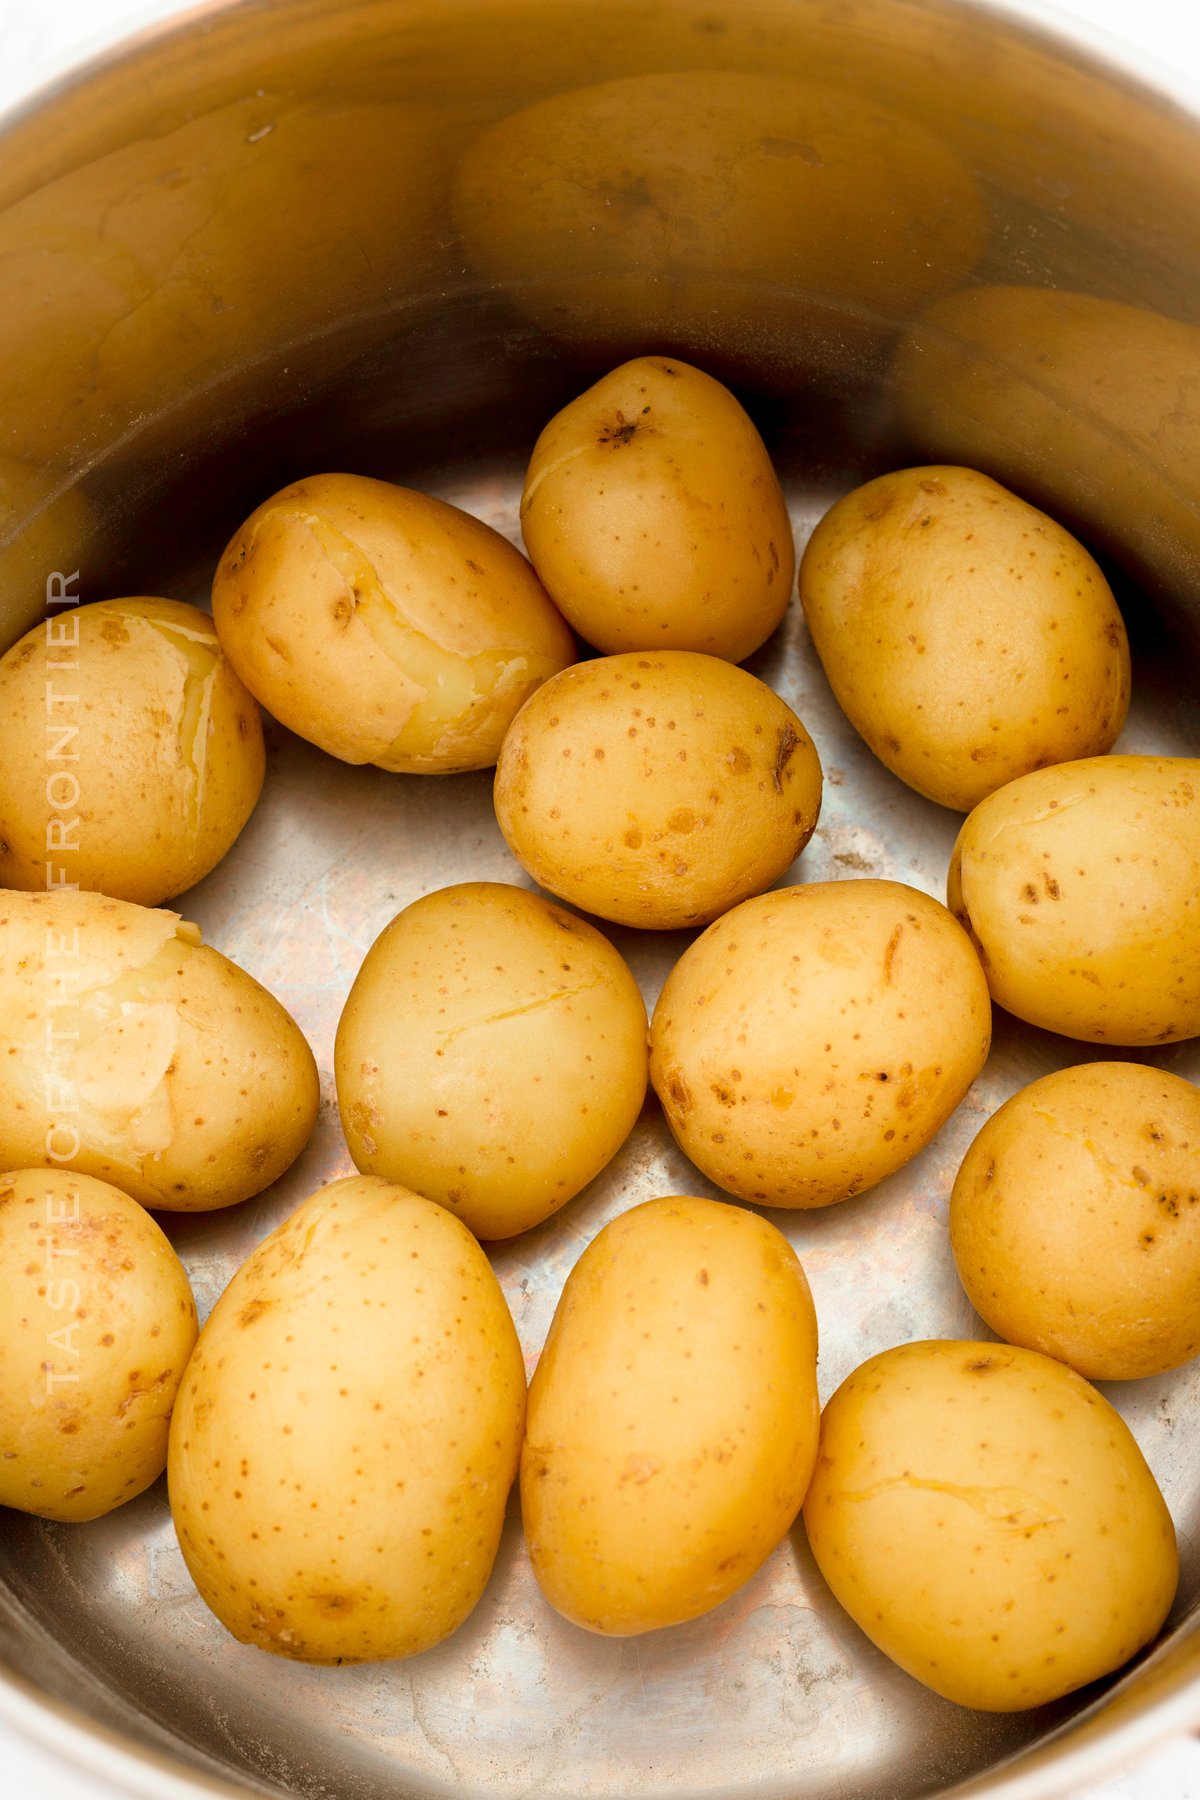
(491, 1055)
(814, 1040)
(385, 626)
(1080, 886)
(780, 224)
(672, 1417)
(132, 1052)
(988, 1520)
(348, 1430)
(967, 637)
(130, 753)
(653, 515)
(96, 1324)
(657, 790)
(1075, 1220)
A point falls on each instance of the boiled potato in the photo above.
(491, 1055)
(132, 1052)
(1080, 886)
(653, 515)
(988, 1520)
(672, 1417)
(96, 1324)
(967, 637)
(140, 775)
(657, 790)
(385, 626)
(348, 1430)
(1075, 1220)
(813, 1040)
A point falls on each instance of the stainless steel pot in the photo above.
(243, 248)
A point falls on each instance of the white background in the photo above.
(37, 39)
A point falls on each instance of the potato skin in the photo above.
(657, 790)
(1080, 887)
(816, 1038)
(1075, 1220)
(653, 515)
(157, 738)
(97, 1322)
(672, 1418)
(989, 1521)
(966, 636)
(491, 1055)
(383, 625)
(188, 1085)
(348, 1430)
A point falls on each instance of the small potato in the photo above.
(132, 1052)
(657, 790)
(653, 515)
(384, 626)
(672, 1418)
(988, 1520)
(1080, 886)
(139, 777)
(97, 1322)
(814, 1040)
(967, 637)
(348, 1431)
(491, 1055)
(1075, 1220)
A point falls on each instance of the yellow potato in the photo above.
(967, 637)
(491, 1055)
(96, 1324)
(672, 1418)
(988, 1520)
(348, 1430)
(657, 790)
(1080, 886)
(132, 1052)
(814, 1040)
(1075, 1220)
(653, 515)
(384, 626)
(131, 755)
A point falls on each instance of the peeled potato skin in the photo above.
(657, 790)
(1075, 1220)
(816, 1038)
(989, 1521)
(653, 515)
(967, 637)
(672, 1416)
(97, 1323)
(1080, 886)
(383, 625)
(157, 746)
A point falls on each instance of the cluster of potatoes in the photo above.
(978, 1508)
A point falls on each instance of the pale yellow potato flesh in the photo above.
(385, 626)
(132, 1052)
(657, 790)
(966, 636)
(988, 1520)
(813, 1040)
(1075, 1220)
(491, 1055)
(672, 1418)
(348, 1430)
(97, 1323)
(1080, 887)
(137, 775)
(654, 517)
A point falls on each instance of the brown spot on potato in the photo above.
(788, 741)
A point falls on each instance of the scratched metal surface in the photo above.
(775, 1693)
